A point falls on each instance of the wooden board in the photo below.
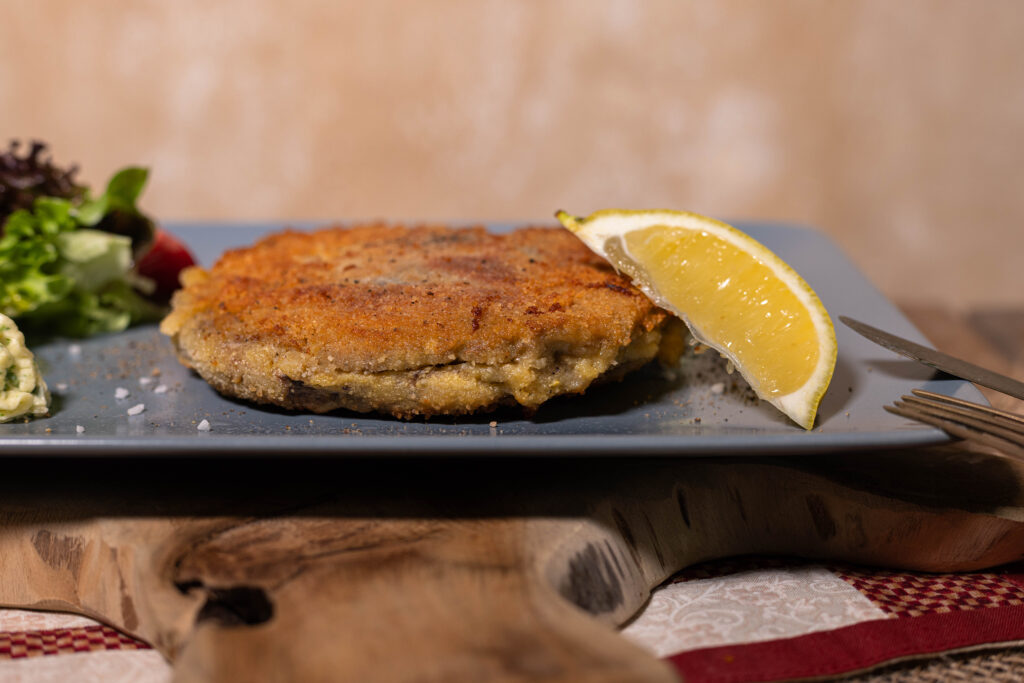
(460, 570)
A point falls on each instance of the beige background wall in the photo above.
(896, 126)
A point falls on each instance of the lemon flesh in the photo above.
(734, 294)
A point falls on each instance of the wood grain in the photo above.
(460, 569)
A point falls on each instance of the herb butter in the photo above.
(23, 392)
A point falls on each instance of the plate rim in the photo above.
(729, 443)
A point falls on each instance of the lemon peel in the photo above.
(735, 295)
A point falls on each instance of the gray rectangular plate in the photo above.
(702, 411)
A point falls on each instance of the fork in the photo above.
(999, 429)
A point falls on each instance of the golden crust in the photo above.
(314, 312)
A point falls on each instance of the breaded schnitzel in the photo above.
(411, 321)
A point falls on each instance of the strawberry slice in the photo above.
(162, 263)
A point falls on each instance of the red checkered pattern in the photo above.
(19, 644)
(945, 613)
(910, 595)
(902, 594)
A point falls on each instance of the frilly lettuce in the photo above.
(61, 275)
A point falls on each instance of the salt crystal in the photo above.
(136, 409)
(717, 388)
(75, 350)
(80, 429)
(145, 381)
(120, 393)
(60, 386)
(160, 389)
(203, 426)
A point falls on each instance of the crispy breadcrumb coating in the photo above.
(411, 321)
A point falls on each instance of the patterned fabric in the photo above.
(14, 645)
(744, 604)
(911, 595)
(1000, 666)
(912, 616)
(732, 621)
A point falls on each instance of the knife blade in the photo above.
(938, 360)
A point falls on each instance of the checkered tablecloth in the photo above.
(770, 619)
(730, 621)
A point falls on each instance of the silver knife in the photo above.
(938, 360)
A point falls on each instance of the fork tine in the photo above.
(968, 409)
(968, 404)
(1007, 431)
(961, 428)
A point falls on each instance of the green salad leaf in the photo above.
(63, 272)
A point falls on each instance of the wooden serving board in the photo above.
(460, 569)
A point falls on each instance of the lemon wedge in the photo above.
(734, 294)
